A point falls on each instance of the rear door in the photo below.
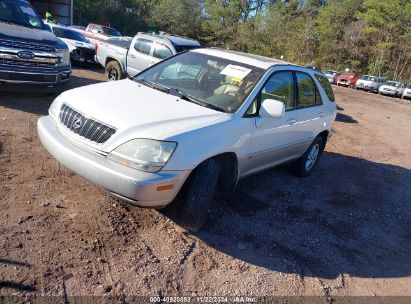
(139, 56)
(311, 114)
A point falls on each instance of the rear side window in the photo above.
(326, 86)
(308, 95)
(143, 46)
(161, 51)
(280, 87)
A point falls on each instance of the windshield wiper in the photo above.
(152, 85)
(192, 99)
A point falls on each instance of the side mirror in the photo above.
(271, 108)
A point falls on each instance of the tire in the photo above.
(194, 200)
(114, 71)
(306, 163)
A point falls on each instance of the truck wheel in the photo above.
(193, 202)
(114, 71)
(306, 163)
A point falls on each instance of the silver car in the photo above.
(190, 125)
(330, 74)
(392, 88)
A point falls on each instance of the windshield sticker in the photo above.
(28, 10)
(235, 71)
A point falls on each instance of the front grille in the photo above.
(26, 63)
(27, 77)
(85, 127)
(26, 46)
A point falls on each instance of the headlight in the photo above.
(64, 57)
(144, 154)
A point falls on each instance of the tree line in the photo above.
(367, 36)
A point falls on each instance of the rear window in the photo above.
(182, 48)
(326, 86)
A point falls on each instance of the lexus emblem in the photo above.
(26, 55)
(77, 123)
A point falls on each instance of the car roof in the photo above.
(250, 59)
(173, 39)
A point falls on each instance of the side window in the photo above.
(308, 94)
(143, 46)
(161, 51)
(280, 87)
(326, 86)
(96, 29)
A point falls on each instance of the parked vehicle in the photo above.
(81, 49)
(347, 79)
(365, 82)
(377, 83)
(193, 123)
(96, 33)
(29, 53)
(407, 92)
(143, 51)
(331, 75)
(392, 88)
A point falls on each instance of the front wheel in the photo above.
(306, 163)
(194, 200)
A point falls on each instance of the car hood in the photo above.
(76, 44)
(30, 35)
(388, 87)
(137, 111)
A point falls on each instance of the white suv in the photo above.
(198, 121)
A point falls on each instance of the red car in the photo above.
(347, 79)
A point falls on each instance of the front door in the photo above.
(139, 56)
(274, 139)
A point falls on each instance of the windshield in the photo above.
(392, 84)
(210, 81)
(409, 86)
(365, 77)
(111, 32)
(121, 42)
(68, 34)
(19, 13)
(348, 75)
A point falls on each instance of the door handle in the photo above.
(292, 121)
(132, 56)
(322, 114)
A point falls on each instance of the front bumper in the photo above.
(139, 188)
(390, 93)
(9, 76)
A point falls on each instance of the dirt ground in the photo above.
(346, 230)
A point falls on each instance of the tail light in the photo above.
(96, 48)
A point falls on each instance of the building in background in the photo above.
(62, 10)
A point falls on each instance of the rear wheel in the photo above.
(114, 71)
(306, 163)
(194, 200)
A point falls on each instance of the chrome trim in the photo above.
(90, 128)
(26, 46)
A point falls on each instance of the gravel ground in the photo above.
(345, 230)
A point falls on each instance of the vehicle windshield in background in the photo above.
(365, 77)
(348, 75)
(209, 81)
(19, 13)
(392, 84)
(111, 32)
(68, 34)
(409, 86)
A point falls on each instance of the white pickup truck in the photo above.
(124, 56)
